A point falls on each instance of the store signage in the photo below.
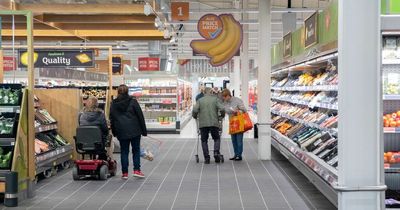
(117, 67)
(149, 64)
(222, 35)
(179, 11)
(311, 30)
(44, 58)
(8, 63)
(287, 45)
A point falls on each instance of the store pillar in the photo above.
(244, 57)
(264, 74)
(235, 77)
(360, 173)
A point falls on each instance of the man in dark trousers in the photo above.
(207, 111)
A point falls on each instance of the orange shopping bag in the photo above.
(248, 125)
(236, 124)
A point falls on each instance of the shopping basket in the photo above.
(150, 147)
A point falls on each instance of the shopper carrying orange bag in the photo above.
(233, 107)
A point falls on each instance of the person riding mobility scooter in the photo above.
(89, 141)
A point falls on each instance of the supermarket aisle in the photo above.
(174, 181)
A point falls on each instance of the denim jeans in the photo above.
(124, 144)
(237, 142)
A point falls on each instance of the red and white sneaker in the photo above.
(138, 173)
(124, 176)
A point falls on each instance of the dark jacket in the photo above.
(95, 118)
(126, 117)
(200, 95)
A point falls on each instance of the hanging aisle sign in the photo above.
(117, 68)
(179, 11)
(311, 32)
(44, 58)
(287, 45)
(149, 64)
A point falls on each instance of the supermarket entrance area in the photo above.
(175, 181)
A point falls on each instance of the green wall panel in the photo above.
(394, 7)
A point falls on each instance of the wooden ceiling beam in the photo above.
(137, 19)
(83, 9)
(85, 33)
(82, 26)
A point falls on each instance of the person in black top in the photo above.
(128, 125)
(93, 116)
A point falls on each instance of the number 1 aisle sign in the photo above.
(179, 11)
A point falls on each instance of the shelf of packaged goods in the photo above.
(308, 88)
(391, 97)
(158, 94)
(312, 125)
(44, 128)
(160, 126)
(15, 109)
(323, 176)
(48, 160)
(159, 87)
(392, 167)
(7, 142)
(162, 103)
(305, 103)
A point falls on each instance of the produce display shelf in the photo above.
(15, 109)
(305, 103)
(44, 128)
(163, 103)
(7, 142)
(312, 125)
(48, 160)
(391, 130)
(322, 175)
(391, 97)
(308, 88)
(392, 167)
(154, 87)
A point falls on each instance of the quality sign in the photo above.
(58, 58)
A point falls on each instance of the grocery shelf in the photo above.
(312, 125)
(308, 88)
(44, 128)
(391, 97)
(322, 175)
(47, 160)
(7, 142)
(159, 110)
(160, 94)
(305, 103)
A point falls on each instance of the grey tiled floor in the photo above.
(175, 181)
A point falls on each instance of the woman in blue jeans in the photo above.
(232, 106)
(128, 125)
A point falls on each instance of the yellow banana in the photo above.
(203, 46)
(223, 46)
(24, 58)
(231, 47)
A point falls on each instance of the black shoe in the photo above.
(232, 158)
(217, 158)
(207, 161)
(238, 158)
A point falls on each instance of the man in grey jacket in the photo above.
(207, 111)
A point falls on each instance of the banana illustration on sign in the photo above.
(24, 58)
(224, 46)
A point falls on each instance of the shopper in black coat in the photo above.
(128, 125)
(93, 116)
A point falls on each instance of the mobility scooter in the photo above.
(89, 141)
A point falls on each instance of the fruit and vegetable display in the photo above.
(10, 96)
(314, 98)
(317, 141)
(391, 157)
(98, 93)
(391, 119)
(5, 157)
(324, 77)
(48, 141)
(6, 125)
(43, 117)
